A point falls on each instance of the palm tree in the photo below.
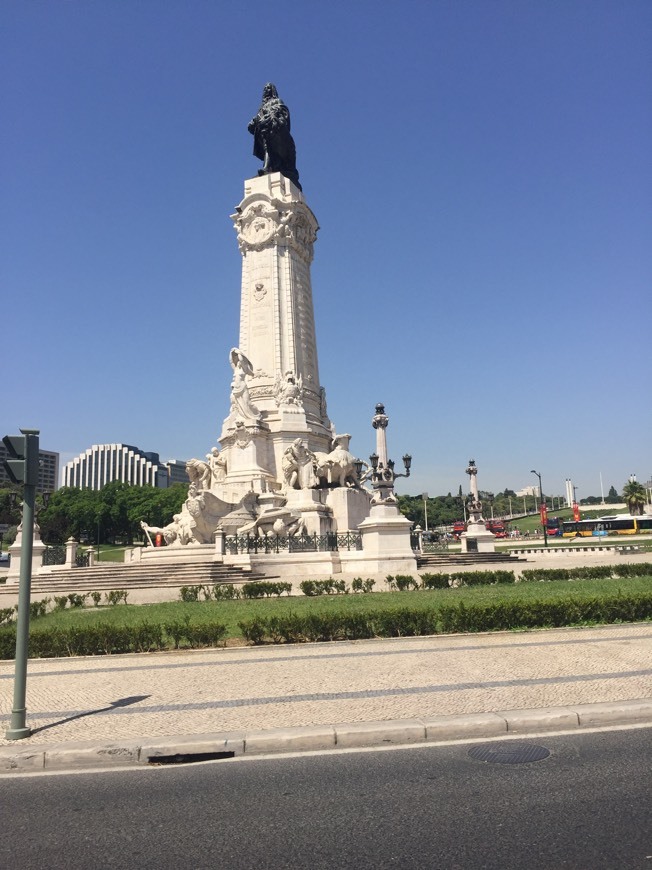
(635, 496)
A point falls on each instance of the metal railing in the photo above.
(330, 542)
(54, 556)
(435, 547)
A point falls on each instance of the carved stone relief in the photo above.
(262, 224)
(242, 435)
(288, 389)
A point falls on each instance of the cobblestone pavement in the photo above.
(195, 692)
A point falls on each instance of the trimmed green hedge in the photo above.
(107, 639)
(587, 572)
(323, 587)
(448, 618)
(227, 591)
(482, 578)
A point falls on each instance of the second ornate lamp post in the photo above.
(543, 509)
(382, 473)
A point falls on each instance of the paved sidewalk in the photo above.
(242, 691)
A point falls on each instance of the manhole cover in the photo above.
(509, 753)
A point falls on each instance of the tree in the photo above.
(612, 492)
(10, 515)
(635, 497)
(113, 512)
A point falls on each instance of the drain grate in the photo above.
(509, 753)
(189, 757)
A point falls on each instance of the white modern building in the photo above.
(102, 463)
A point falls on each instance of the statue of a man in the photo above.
(217, 464)
(273, 143)
(199, 473)
(298, 468)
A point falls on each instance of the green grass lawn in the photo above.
(231, 612)
(111, 553)
(643, 542)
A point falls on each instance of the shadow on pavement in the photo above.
(121, 702)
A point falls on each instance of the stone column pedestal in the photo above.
(15, 550)
(317, 516)
(476, 539)
(350, 507)
(386, 540)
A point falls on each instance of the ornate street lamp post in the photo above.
(381, 473)
(543, 509)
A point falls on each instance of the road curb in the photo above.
(19, 758)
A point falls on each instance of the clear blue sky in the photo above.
(481, 174)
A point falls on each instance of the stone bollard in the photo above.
(91, 556)
(71, 552)
(219, 545)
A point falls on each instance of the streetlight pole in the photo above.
(543, 509)
(424, 496)
(23, 468)
(382, 472)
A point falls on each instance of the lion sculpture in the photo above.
(337, 468)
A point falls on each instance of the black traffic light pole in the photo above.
(23, 468)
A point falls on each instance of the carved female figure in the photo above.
(241, 405)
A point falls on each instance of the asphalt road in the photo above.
(586, 806)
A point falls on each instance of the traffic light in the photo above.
(23, 465)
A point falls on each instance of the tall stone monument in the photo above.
(280, 466)
(477, 538)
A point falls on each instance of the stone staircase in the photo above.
(102, 578)
(450, 560)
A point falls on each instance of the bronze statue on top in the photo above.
(273, 143)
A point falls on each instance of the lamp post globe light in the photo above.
(543, 509)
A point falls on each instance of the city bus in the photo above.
(617, 524)
(554, 527)
(458, 528)
(496, 527)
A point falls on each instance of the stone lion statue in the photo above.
(337, 468)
